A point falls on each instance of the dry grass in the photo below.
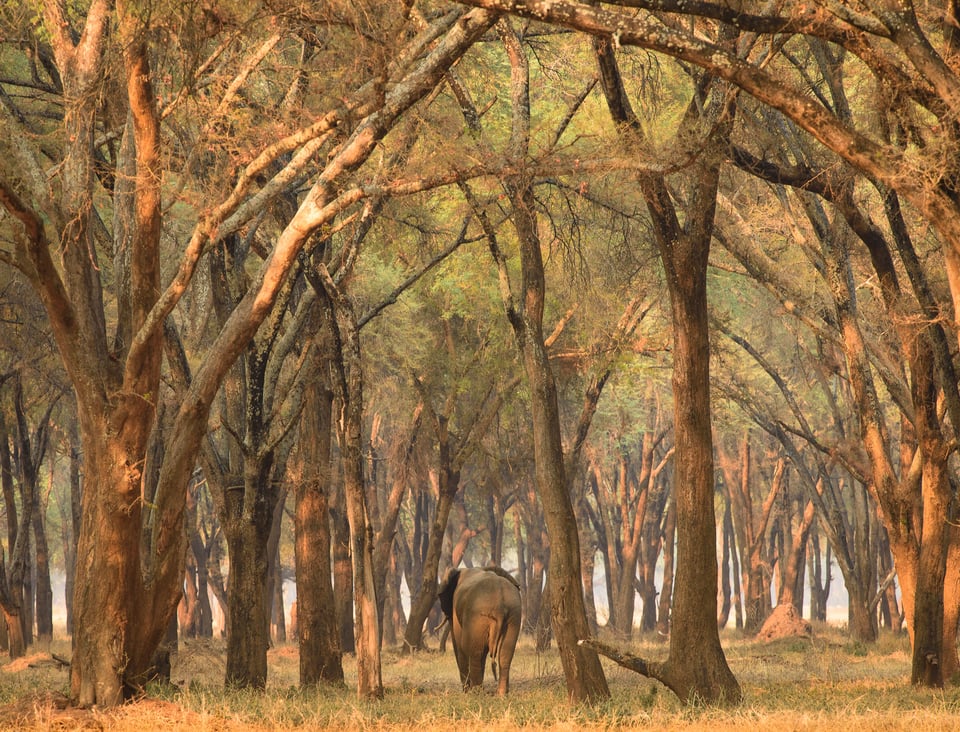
(824, 683)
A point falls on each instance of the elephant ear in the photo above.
(446, 590)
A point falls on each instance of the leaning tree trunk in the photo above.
(427, 595)
(584, 674)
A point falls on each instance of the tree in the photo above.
(916, 82)
(122, 608)
(584, 674)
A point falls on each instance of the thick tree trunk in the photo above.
(862, 619)
(317, 626)
(697, 667)
(106, 665)
(246, 526)
(928, 616)
(951, 605)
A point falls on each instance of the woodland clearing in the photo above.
(821, 682)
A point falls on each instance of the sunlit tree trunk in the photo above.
(696, 667)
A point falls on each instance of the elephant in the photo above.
(483, 609)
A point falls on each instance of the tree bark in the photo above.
(584, 674)
(426, 596)
(248, 634)
(317, 626)
(348, 387)
(696, 667)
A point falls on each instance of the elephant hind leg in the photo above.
(504, 657)
(477, 664)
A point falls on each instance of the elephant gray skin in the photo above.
(483, 609)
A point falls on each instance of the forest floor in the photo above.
(821, 682)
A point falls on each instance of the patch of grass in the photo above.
(826, 682)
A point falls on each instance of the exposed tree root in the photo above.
(689, 686)
(627, 660)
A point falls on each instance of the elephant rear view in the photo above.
(483, 609)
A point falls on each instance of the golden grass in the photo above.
(826, 683)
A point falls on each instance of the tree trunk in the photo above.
(11, 579)
(247, 531)
(317, 626)
(278, 613)
(104, 667)
(726, 592)
(928, 615)
(70, 551)
(815, 576)
(536, 556)
(44, 591)
(342, 569)
(427, 594)
(664, 607)
(348, 387)
(697, 667)
(187, 610)
(951, 605)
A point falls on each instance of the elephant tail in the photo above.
(498, 632)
